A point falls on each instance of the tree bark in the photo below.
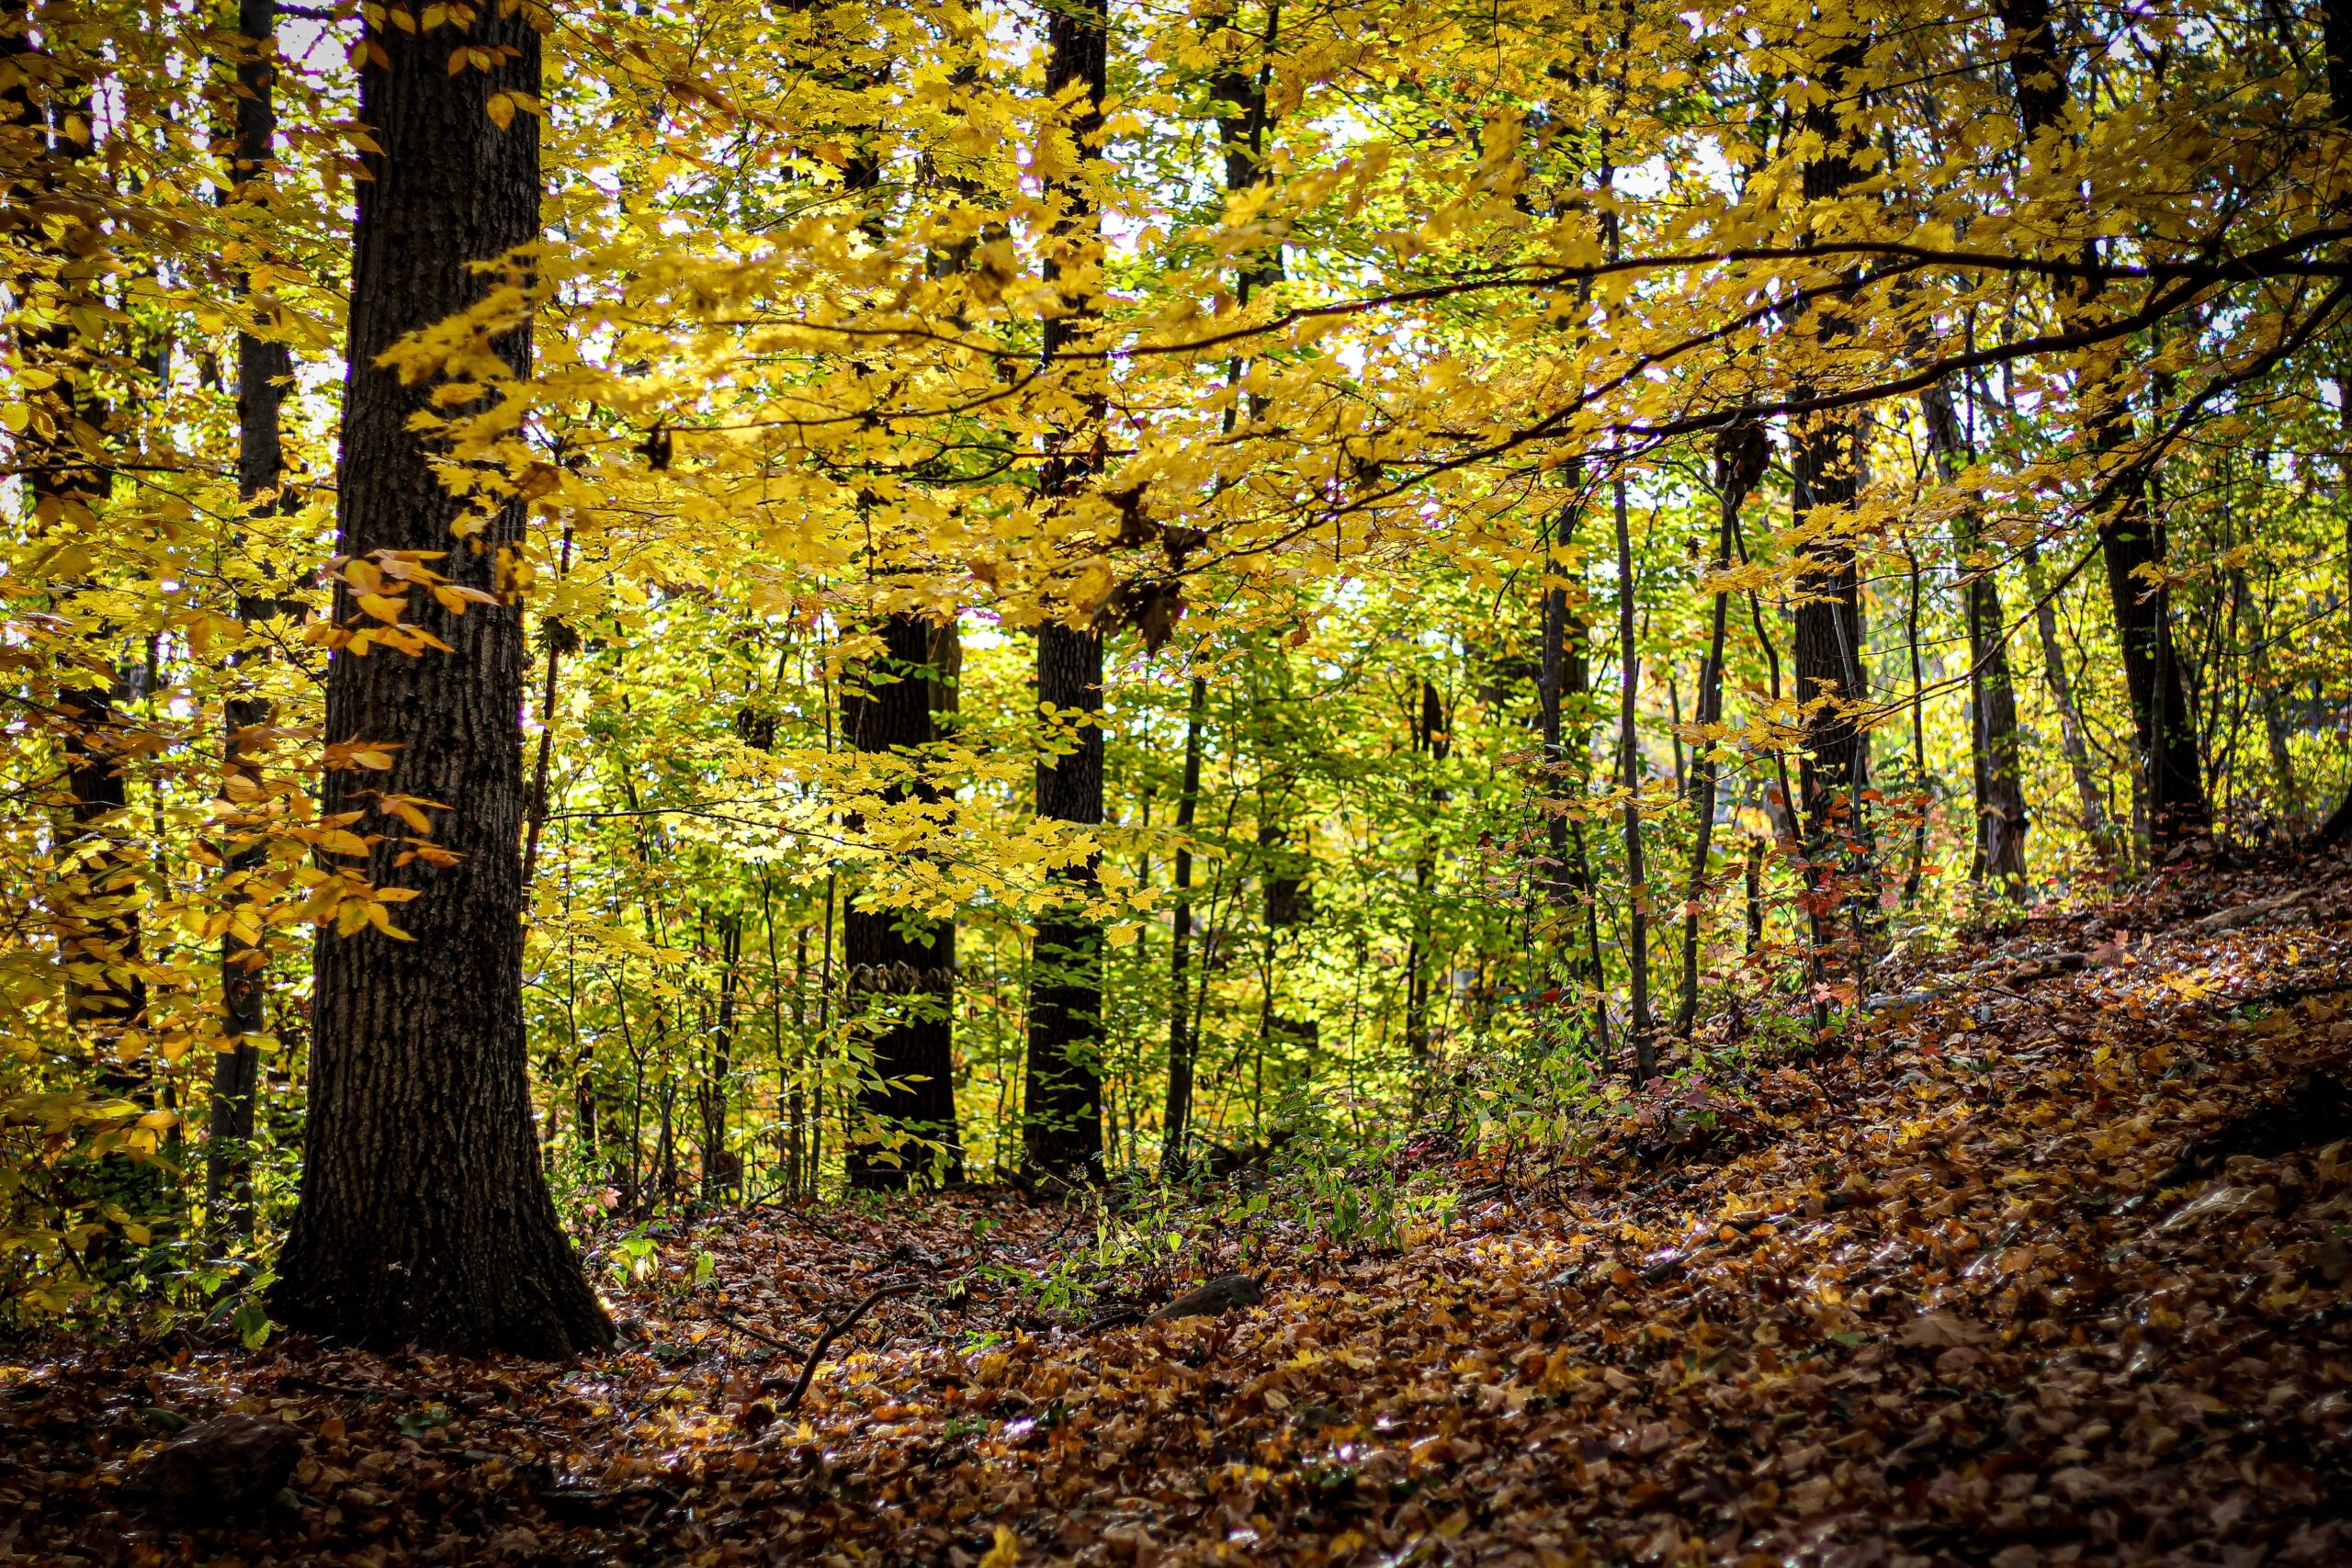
(1637, 892)
(1830, 682)
(2130, 537)
(1062, 1118)
(424, 1216)
(900, 966)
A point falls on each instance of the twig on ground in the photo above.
(825, 1341)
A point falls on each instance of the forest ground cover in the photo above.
(2046, 1264)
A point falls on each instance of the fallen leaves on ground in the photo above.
(2048, 1267)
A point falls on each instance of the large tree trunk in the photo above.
(1827, 448)
(1062, 1126)
(424, 1216)
(2130, 537)
(902, 965)
(1062, 1123)
(236, 1071)
(1994, 753)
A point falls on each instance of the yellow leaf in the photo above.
(404, 808)
(16, 416)
(378, 762)
(1092, 586)
(341, 841)
(1005, 1553)
(381, 919)
(383, 607)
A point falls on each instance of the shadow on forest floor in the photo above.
(2050, 1268)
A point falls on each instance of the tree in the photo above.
(1062, 1096)
(2131, 536)
(424, 1215)
(901, 966)
(261, 368)
(1994, 761)
(1827, 450)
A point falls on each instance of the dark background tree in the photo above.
(901, 966)
(1062, 1094)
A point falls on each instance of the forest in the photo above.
(961, 781)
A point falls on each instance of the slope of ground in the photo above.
(2049, 1267)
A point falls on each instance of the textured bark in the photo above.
(261, 461)
(2130, 537)
(901, 966)
(1995, 762)
(424, 1216)
(1062, 1116)
(1062, 1119)
(1828, 633)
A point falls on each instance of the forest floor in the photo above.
(2048, 1266)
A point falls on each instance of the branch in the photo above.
(825, 1340)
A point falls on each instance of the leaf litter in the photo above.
(2048, 1267)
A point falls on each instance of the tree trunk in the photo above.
(2335, 25)
(1740, 458)
(1563, 683)
(722, 1167)
(1637, 892)
(2269, 694)
(1432, 740)
(236, 1072)
(901, 964)
(2130, 537)
(1830, 682)
(1996, 765)
(424, 1216)
(1062, 1120)
(1177, 1122)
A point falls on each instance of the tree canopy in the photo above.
(1079, 592)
